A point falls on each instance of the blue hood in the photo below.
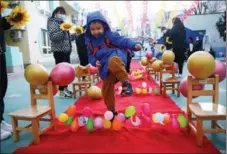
(96, 16)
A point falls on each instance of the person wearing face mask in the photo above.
(60, 42)
(166, 33)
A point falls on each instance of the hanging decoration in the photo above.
(161, 15)
(173, 13)
(120, 24)
(129, 10)
(144, 20)
(190, 10)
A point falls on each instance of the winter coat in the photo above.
(60, 40)
(82, 49)
(4, 25)
(178, 37)
(165, 36)
(103, 55)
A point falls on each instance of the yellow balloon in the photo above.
(106, 124)
(63, 117)
(138, 90)
(144, 91)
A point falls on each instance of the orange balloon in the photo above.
(166, 118)
(74, 126)
(117, 125)
(153, 118)
(71, 110)
(106, 124)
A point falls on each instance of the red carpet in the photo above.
(150, 139)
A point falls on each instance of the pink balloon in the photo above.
(220, 69)
(149, 54)
(121, 117)
(108, 115)
(93, 69)
(146, 109)
(184, 87)
(87, 112)
(98, 123)
(175, 123)
(175, 67)
(62, 74)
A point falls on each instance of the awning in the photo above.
(69, 9)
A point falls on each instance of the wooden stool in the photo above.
(81, 85)
(96, 77)
(34, 113)
(170, 83)
(149, 69)
(205, 111)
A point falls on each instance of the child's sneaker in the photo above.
(126, 89)
(5, 134)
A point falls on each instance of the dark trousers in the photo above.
(179, 58)
(59, 58)
(3, 83)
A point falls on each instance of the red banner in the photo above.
(190, 10)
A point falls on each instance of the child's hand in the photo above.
(138, 47)
(98, 64)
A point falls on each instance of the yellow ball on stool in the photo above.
(36, 74)
(144, 61)
(156, 65)
(168, 57)
(201, 64)
(94, 92)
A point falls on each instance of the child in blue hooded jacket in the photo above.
(107, 52)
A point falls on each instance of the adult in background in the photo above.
(6, 129)
(81, 46)
(60, 42)
(166, 34)
(178, 37)
(190, 46)
(197, 44)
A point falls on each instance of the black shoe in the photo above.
(126, 89)
(114, 114)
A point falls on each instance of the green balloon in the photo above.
(156, 91)
(69, 121)
(130, 111)
(182, 120)
(90, 124)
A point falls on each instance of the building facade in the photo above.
(34, 44)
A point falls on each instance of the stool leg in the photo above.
(35, 131)
(213, 123)
(178, 90)
(80, 90)
(164, 90)
(199, 135)
(173, 86)
(16, 136)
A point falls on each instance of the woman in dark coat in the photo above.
(178, 37)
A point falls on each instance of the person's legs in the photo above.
(117, 67)
(59, 58)
(6, 129)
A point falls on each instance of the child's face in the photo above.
(96, 28)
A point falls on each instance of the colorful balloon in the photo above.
(74, 126)
(121, 117)
(108, 115)
(106, 124)
(130, 111)
(159, 117)
(166, 118)
(175, 123)
(146, 109)
(117, 125)
(87, 112)
(71, 110)
(98, 122)
(82, 121)
(135, 121)
(69, 121)
(182, 120)
(90, 124)
(63, 117)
